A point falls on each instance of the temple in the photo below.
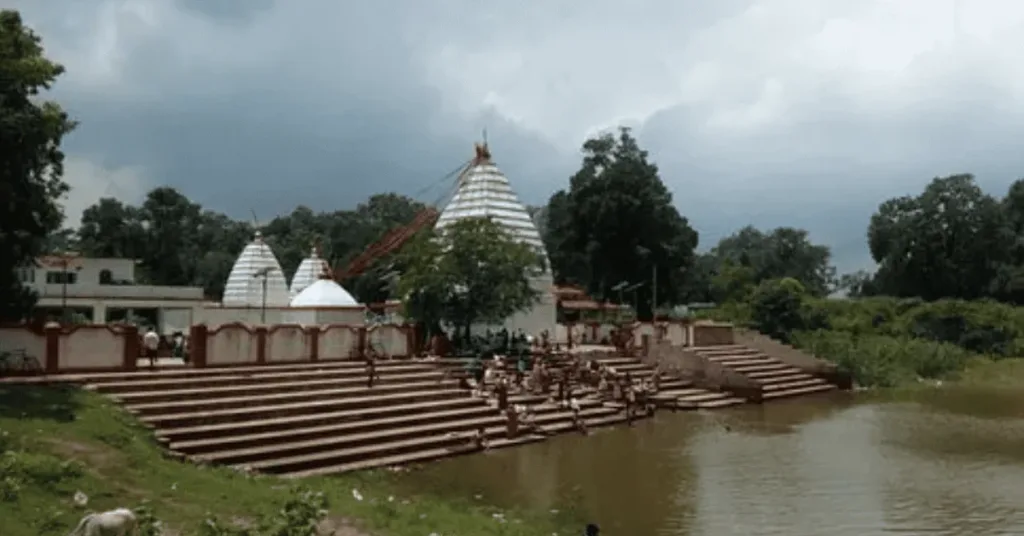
(485, 192)
(325, 302)
(308, 272)
(256, 279)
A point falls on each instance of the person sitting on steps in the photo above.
(511, 422)
(501, 392)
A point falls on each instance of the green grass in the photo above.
(57, 441)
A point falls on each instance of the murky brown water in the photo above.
(947, 461)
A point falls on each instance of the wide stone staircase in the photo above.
(773, 377)
(321, 418)
(674, 392)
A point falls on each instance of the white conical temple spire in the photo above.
(484, 191)
(245, 284)
(310, 269)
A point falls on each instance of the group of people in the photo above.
(154, 345)
(488, 375)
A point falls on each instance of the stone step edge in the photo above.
(493, 424)
(353, 403)
(428, 454)
(342, 393)
(809, 390)
(236, 382)
(363, 451)
(188, 371)
(168, 432)
(407, 420)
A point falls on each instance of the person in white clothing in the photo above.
(151, 342)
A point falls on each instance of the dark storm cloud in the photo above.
(755, 110)
(233, 11)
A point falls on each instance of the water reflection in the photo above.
(816, 466)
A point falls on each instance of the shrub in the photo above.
(777, 307)
(300, 516)
(884, 361)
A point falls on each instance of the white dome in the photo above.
(324, 293)
(309, 271)
(245, 283)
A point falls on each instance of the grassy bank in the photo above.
(59, 441)
(890, 342)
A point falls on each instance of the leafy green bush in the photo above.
(776, 307)
(884, 361)
(300, 516)
(43, 471)
(981, 326)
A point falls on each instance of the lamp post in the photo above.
(263, 273)
(636, 296)
(63, 261)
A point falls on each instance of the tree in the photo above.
(776, 307)
(473, 272)
(180, 243)
(783, 252)
(110, 228)
(31, 131)
(950, 241)
(858, 284)
(616, 223)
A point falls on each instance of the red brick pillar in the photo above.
(132, 348)
(313, 332)
(52, 359)
(261, 345)
(197, 345)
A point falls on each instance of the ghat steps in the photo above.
(321, 418)
(674, 392)
(774, 377)
(318, 418)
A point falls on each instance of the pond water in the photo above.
(942, 461)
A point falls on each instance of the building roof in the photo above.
(308, 272)
(245, 283)
(484, 191)
(324, 292)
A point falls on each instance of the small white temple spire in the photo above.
(325, 292)
(245, 285)
(309, 270)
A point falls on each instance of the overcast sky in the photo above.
(766, 112)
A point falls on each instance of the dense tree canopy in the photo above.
(616, 224)
(180, 243)
(950, 241)
(471, 273)
(31, 161)
(749, 256)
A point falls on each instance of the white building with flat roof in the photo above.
(104, 290)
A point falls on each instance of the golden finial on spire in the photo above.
(325, 271)
(483, 153)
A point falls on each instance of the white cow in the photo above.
(119, 522)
